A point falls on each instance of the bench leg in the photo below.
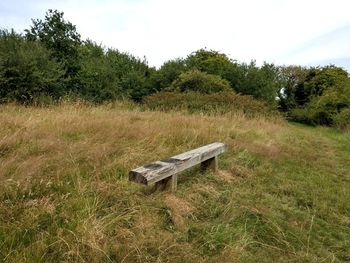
(174, 183)
(162, 184)
(211, 164)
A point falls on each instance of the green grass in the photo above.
(282, 193)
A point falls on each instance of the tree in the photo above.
(210, 61)
(99, 81)
(323, 95)
(321, 79)
(316, 81)
(261, 83)
(59, 36)
(27, 71)
(291, 78)
(168, 72)
(216, 63)
(135, 77)
(248, 79)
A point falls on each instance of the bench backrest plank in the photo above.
(160, 170)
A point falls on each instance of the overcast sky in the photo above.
(306, 32)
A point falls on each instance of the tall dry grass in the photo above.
(65, 195)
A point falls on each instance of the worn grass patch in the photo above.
(282, 193)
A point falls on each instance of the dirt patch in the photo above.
(226, 176)
(180, 210)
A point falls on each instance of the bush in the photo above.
(27, 71)
(261, 83)
(323, 109)
(195, 80)
(211, 104)
(301, 115)
(98, 80)
(342, 119)
(168, 72)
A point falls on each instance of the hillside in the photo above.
(282, 193)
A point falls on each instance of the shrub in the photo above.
(98, 80)
(210, 61)
(168, 72)
(324, 109)
(217, 103)
(342, 119)
(27, 70)
(195, 80)
(261, 83)
(301, 115)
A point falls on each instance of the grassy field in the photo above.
(282, 193)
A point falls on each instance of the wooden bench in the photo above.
(160, 172)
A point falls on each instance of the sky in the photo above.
(284, 32)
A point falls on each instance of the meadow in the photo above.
(281, 195)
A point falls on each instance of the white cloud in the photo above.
(269, 30)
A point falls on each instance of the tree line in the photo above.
(50, 61)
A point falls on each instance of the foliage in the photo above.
(27, 70)
(323, 95)
(97, 78)
(291, 78)
(248, 79)
(59, 36)
(195, 80)
(317, 81)
(261, 83)
(168, 72)
(210, 61)
(324, 108)
(217, 103)
(134, 75)
(91, 71)
(342, 119)
(216, 63)
(107, 75)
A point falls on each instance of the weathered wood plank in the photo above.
(160, 170)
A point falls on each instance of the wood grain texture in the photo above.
(159, 170)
